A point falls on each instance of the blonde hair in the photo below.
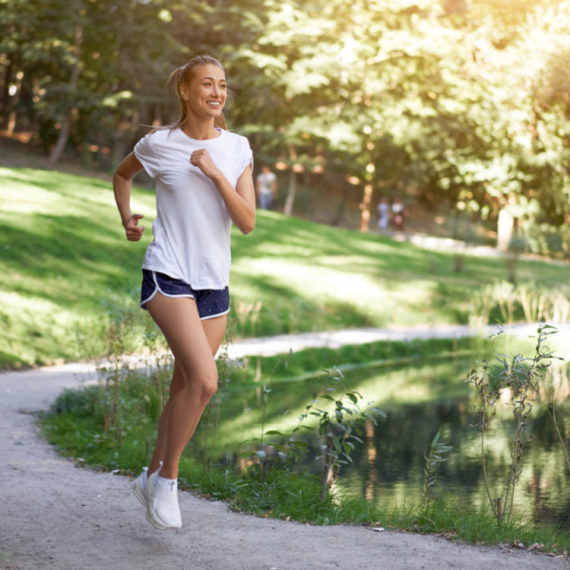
(183, 76)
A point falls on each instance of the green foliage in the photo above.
(460, 106)
(338, 427)
(314, 362)
(418, 100)
(434, 459)
(516, 382)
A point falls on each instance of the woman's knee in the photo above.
(203, 385)
(209, 383)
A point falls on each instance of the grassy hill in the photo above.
(63, 255)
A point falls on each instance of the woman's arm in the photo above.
(122, 187)
(239, 202)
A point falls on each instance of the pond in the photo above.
(419, 398)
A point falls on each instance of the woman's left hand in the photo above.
(203, 160)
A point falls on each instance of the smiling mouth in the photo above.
(214, 103)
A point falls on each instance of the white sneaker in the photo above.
(140, 488)
(162, 511)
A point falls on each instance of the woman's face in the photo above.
(206, 93)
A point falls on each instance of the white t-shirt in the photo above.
(266, 180)
(192, 226)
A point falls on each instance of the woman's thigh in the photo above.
(193, 342)
(214, 330)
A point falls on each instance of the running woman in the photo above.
(204, 183)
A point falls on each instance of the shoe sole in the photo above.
(140, 494)
(156, 524)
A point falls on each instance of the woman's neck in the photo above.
(200, 130)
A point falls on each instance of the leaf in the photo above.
(273, 432)
(295, 443)
(352, 397)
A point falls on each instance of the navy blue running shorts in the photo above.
(211, 303)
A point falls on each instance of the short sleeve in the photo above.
(147, 151)
(245, 156)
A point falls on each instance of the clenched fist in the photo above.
(133, 230)
(202, 159)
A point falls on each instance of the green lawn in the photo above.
(63, 254)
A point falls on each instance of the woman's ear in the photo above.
(183, 91)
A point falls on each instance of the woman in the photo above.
(203, 183)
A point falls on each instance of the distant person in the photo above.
(203, 184)
(383, 214)
(399, 213)
(266, 187)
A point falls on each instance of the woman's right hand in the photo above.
(133, 230)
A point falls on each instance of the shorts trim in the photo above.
(214, 316)
(157, 289)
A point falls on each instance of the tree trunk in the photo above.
(122, 136)
(505, 227)
(11, 125)
(365, 208)
(341, 207)
(5, 100)
(288, 210)
(66, 123)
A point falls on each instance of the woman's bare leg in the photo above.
(195, 379)
(176, 384)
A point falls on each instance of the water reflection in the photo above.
(419, 399)
(393, 473)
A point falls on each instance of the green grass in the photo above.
(64, 252)
(312, 361)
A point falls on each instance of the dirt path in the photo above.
(54, 515)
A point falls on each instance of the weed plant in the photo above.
(515, 381)
(339, 427)
(433, 459)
